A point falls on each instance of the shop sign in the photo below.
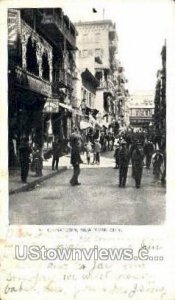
(32, 83)
(51, 106)
(85, 125)
(39, 86)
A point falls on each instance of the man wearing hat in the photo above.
(116, 154)
(131, 149)
(148, 151)
(137, 163)
(157, 161)
(75, 142)
(56, 150)
(24, 152)
(123, 164)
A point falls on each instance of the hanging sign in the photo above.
(51, 106)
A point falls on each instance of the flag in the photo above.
(94, 10)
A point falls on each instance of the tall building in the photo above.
(97, 44)
(141, 110)
(41, 69)
(122, 97)
(160, 102)
(85, 89)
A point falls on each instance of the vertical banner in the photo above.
(14, 31)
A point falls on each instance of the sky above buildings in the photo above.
(142, 28)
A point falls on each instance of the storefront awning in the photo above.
(85, 125)
(66, 106)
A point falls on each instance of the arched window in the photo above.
(45, 66)
(31, 59)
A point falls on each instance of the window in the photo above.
(98, 75)
(31, 58)
(90, 100)
(84, 95)
(146, 112)
(137, 112)
(45, 66)
(142, 112)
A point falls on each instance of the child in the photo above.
(37, 162)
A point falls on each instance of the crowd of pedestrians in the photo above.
(137, 149)
(140, 151)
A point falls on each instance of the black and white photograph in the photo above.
(87, 179)
(87, 114)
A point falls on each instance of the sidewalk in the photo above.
(16, 186)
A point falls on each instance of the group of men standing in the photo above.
(137, 152)
(124, 153)
(136, 155)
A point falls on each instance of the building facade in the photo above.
(122, 97)
(86, 88)
(41, 66)
(141, 110)
(97, 41)
(160, 102)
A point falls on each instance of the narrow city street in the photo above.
(98, 200)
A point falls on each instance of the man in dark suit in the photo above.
(123, 164)
(137, 163)
(148, 151)
(75, 143)
(24, 154)
(56, 153)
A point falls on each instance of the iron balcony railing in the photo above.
(55, 18)
(62, 79)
